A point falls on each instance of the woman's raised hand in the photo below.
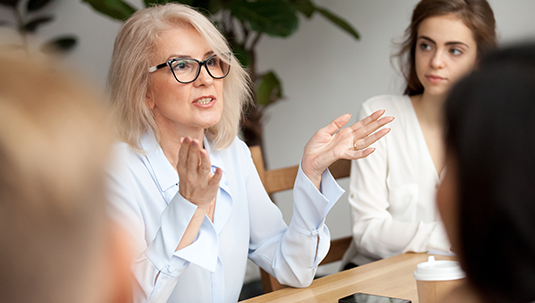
(197, 183)
(334, 142)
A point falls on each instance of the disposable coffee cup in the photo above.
(435, 279)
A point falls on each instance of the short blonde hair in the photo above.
(54, 146)
(129, 79)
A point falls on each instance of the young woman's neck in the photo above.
(429, 107)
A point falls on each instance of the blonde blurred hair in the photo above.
(54, 144)
(129, 79)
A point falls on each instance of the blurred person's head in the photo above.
(487, 197)
(57, 244)
(143, 42)
(475, 16)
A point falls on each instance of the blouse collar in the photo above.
(165, 174)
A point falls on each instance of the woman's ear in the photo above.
(149, 101)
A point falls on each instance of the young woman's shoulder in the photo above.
(391, 103)
(397, 106)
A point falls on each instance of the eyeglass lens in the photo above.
(187, 70)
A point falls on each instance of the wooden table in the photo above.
(390, 277)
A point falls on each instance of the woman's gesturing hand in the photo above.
(197, 183)
(334, 142)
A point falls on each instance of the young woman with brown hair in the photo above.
(392, 193)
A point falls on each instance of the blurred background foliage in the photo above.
(244, 23)
(28, 16)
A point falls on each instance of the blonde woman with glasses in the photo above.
(186, 186)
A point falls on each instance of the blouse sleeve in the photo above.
(156, 265)
(375, 232)
(291, 254)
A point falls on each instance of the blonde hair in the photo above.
(54, 144)
(129, 79)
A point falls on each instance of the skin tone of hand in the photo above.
(334, 142)
(197, 184)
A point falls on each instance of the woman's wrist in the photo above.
(311, 174)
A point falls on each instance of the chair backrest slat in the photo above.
(282, 179)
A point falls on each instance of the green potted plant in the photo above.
(27, 18)
(244, 23)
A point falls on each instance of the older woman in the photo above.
(186, 186)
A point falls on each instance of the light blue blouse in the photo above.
(145, 200)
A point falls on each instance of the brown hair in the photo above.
(477, 15)
(54, 145)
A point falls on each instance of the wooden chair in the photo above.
(282, 179)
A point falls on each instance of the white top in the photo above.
(392, 191)
(145, 199)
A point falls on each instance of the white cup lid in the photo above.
(441, 270)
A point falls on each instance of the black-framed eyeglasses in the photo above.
(187, 70)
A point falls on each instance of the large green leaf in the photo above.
(207, 7)
(339, 21)
(116, 9)
(151, 2)
(33, 24)
(242, 55)
(306, 7)
(273, 17)
(35, 5)
(269, 89)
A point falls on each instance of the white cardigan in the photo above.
(392, 192)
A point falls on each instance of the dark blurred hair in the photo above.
(476, 15)
(490, 132)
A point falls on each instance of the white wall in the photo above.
(325, 72)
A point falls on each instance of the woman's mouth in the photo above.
(203, 101)
(434, 78)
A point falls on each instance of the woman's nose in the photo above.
(204, 78)
(437, 61)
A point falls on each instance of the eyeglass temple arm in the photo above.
(157, 67)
